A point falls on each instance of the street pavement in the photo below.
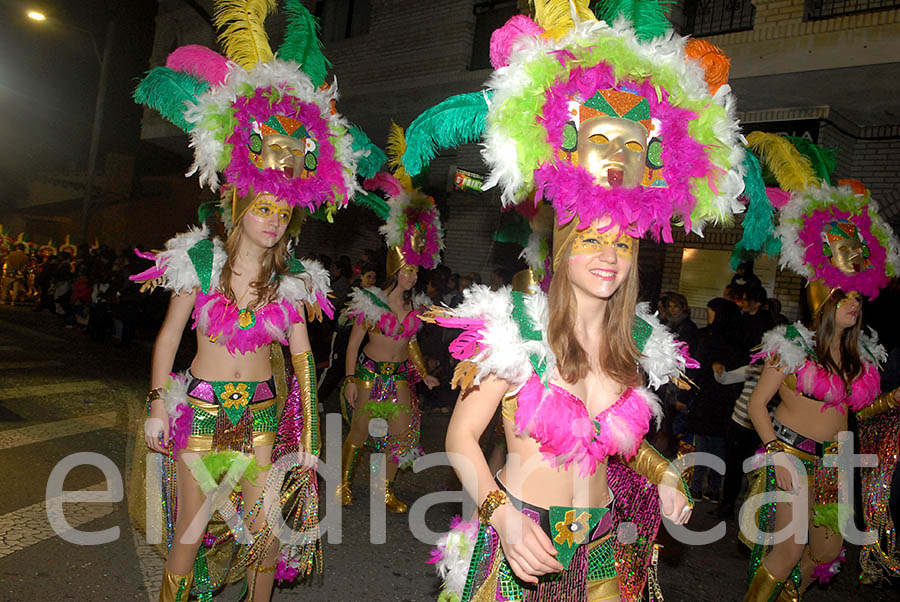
(63, 394)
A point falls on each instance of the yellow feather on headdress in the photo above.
(555, 16)
(242, 31)
(791, 168)
(396, 146)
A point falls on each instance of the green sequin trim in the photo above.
(602, 562)
(264, 421)
(376, 300)
(641, 330)
(201, 255)
(529, 331)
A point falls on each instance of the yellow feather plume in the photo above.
(791, 168)
(555, 16)
(242, 31)
(396, 146)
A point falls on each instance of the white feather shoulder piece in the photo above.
(662, 355)
(312, 285)
(178, 272)
(791, 344)
(870, 350)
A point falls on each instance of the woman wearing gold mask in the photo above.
(379, 397)
(233, 423)
(827, 235)
(606, 144)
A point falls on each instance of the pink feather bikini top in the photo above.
(560, 423)
(792, 348)
(369, 307)
(192, 261)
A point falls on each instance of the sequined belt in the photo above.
(368, 369)
(788, 435)
(566, 526)
(234, 403)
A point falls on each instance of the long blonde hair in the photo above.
(618, 353)
(274, 264)
(850, 366)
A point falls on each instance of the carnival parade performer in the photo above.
(380, 378)
(834, 237)
(233, 422)
(596, 117)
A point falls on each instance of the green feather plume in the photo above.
(207, 210)
(758, 226)
(166, 91)
(648, 17)
(823, 159)
(453, 122)
(513, 228)
(301, 42)
(369, 165)
(211, 468)
(374, 203)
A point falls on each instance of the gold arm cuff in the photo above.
(415, 356)
(305, 369)
(882, 403)
(651, 464)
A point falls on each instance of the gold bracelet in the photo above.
(774, 446)
(155, 394)
(491, 502)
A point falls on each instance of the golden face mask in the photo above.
(614, 150)
(847, 255)
(851, 296)
(591, 240)
(283, 153)
(265, 207)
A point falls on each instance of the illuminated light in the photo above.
(35, 15)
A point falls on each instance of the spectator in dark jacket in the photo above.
(711, 403)
(756, 319)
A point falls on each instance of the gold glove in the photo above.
(651, 464)
(415, 356)
(305, 369)
(883, 403)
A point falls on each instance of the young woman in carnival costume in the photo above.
(834, 237)
(380, 377)
(233, 423)
(619, 130)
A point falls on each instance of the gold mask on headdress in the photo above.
(284, 154)
(613, 150)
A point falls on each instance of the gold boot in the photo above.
(175, 588)
(390, 500)
(763, 587)
(788, 593)
(349, 453)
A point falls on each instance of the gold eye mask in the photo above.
(591, 240)
(265, 207)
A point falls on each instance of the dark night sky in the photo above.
(48, 85)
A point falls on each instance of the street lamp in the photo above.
(103, 61)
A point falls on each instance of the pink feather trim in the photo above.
(825, 571)
(503, 39)
(180, 427)
(560, 423)
(390, 326)
(217, 318)
(199, 61)
(818, 383)
(778, 197)
(385, 182)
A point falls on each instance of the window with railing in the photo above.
(825, 9)
(342, 19)
(711, 17)
(489, 15)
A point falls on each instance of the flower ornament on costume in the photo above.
(268, 124)
(603, 118)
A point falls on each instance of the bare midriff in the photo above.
(214, 362)
(805, 416)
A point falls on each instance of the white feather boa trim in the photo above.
(175, 394)
(661, 359)
(454, 554)
(361, 304)
(314, 283)
(180, 276)
(792, 353)
(504, 353)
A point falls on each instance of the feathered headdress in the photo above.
(567, 66)
(831, 235)
(47, 250)
(269, 124)
(412, 224)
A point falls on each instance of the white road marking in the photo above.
(27, 526)
(51, 389)
(54, 430)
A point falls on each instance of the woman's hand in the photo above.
(351, 392)
(785, 476)
(718, 368)
(527, 548)
(156, 428)
(673, 505)
(431, 382)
